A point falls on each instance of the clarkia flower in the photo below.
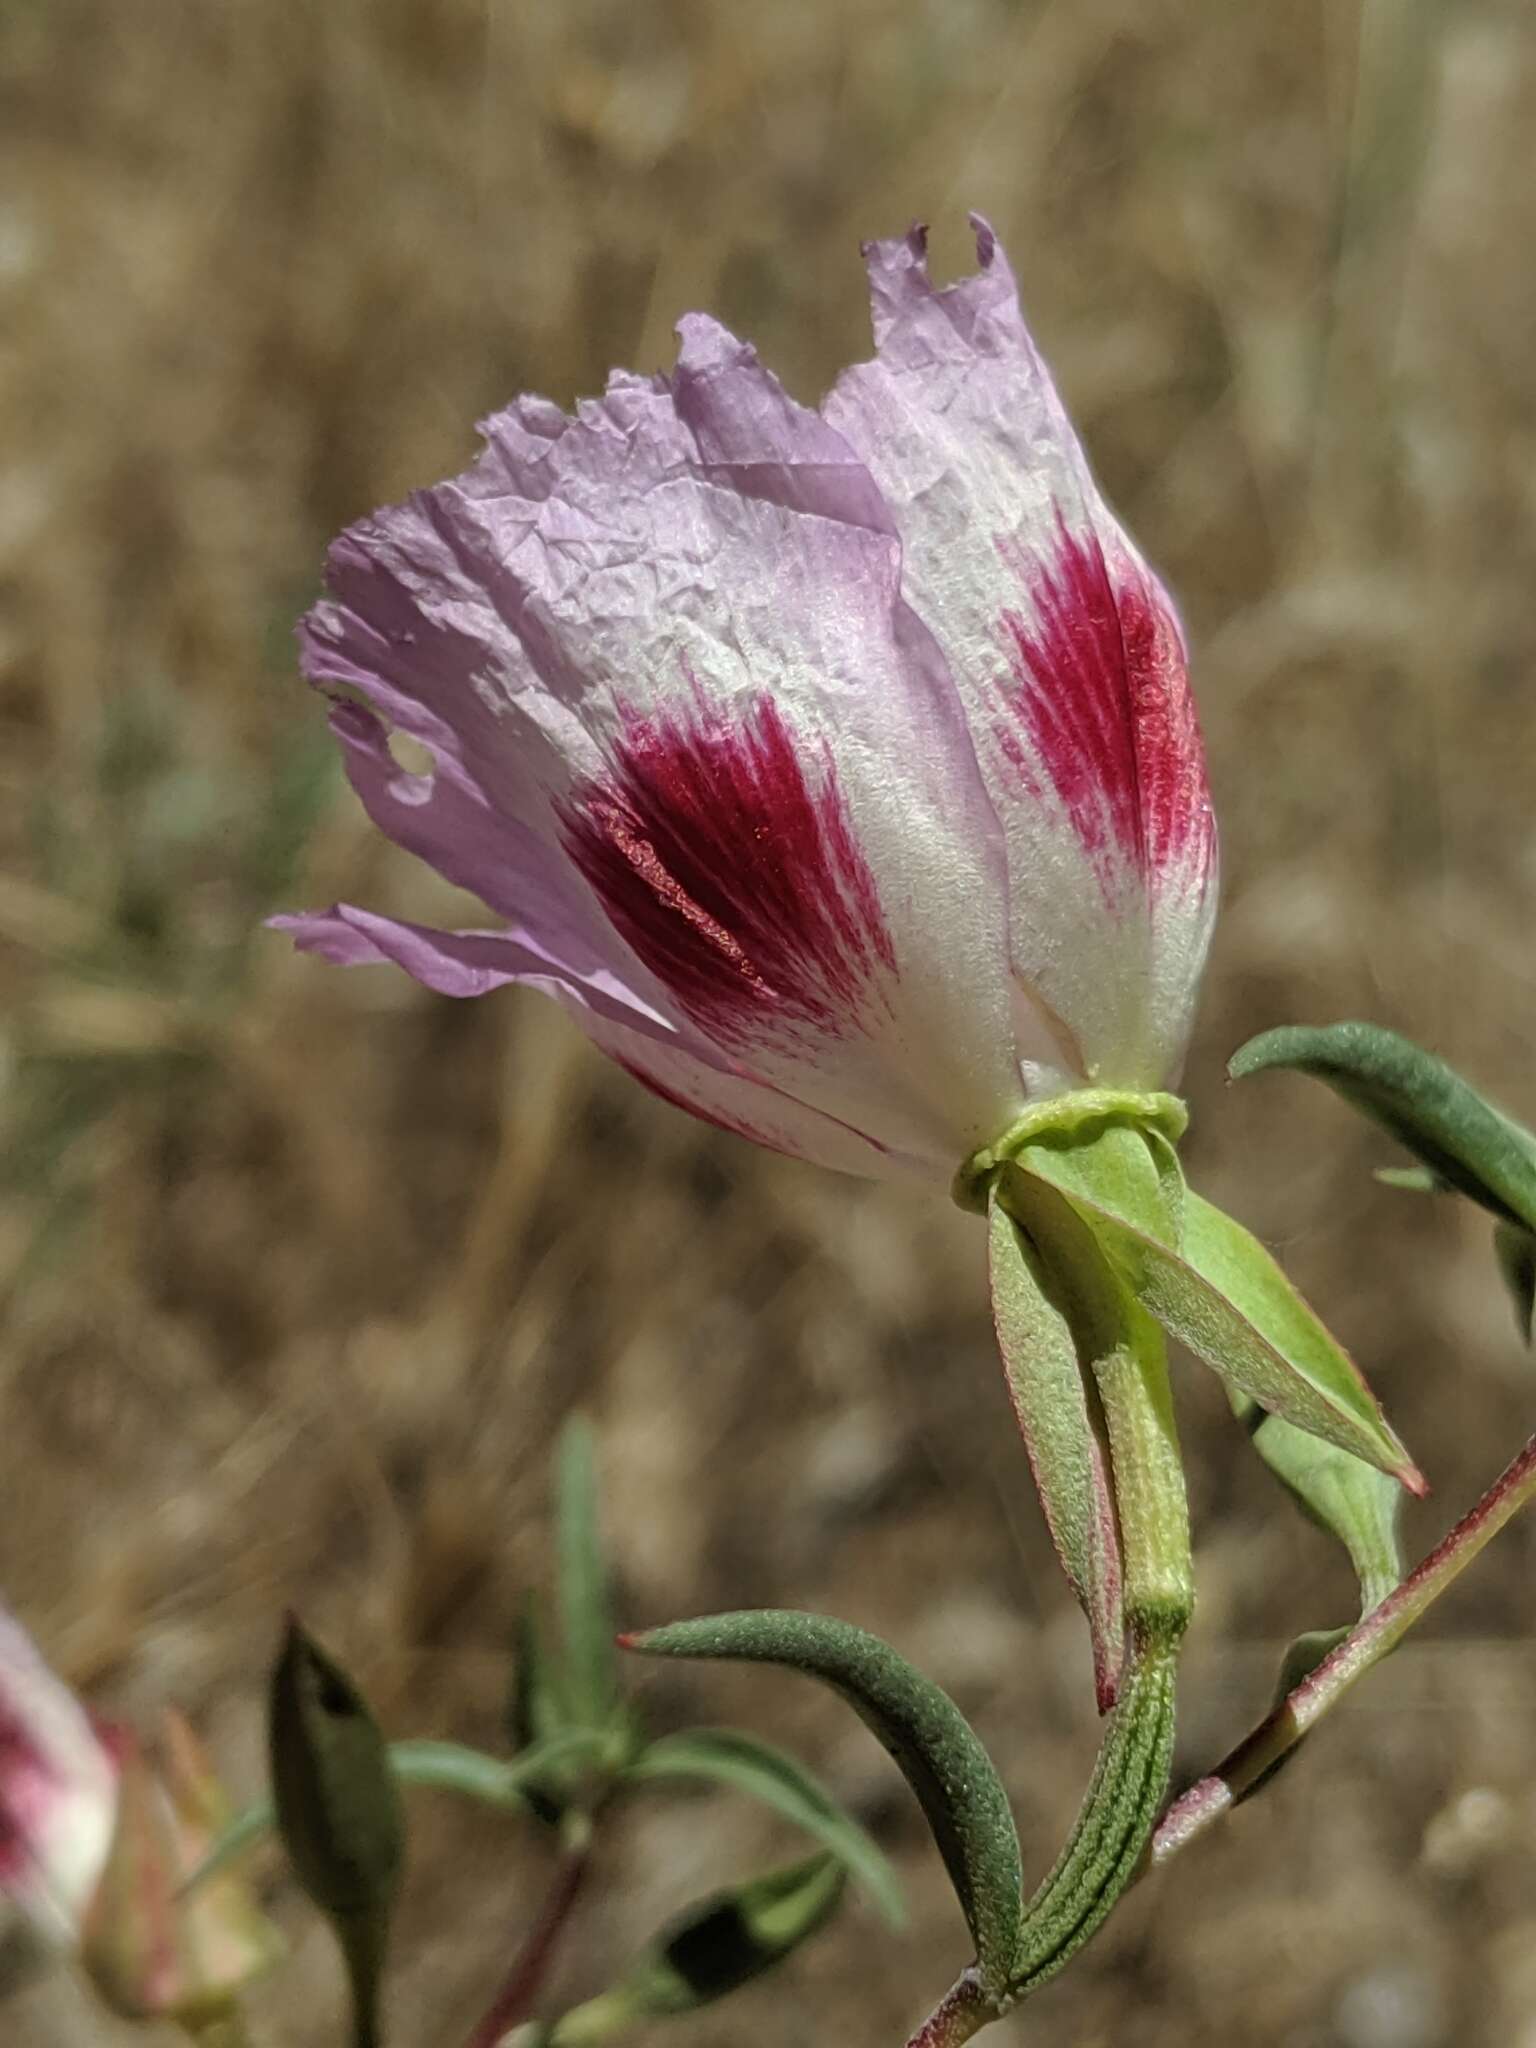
(153, 1946)
(58, 1800)
(836, 768)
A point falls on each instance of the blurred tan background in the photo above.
(301, 1269)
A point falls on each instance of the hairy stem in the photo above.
(1383, 1628)
(1107, 1845)
(1130, 1779)
(964, 2010)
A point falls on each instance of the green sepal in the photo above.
(1340, 1493)
(338, 1810)
(721, 1756)
(1222, 1296)
(934, 1746)
(1069, 1120)
(1131, 1174)
(712, 1949)
(1458, 1135)
(1123, 1349)
(1060, 1421)
(1266, 1319)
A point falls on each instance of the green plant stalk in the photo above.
(1260, 1754)
(1131, 1776)
(364, 1938)
(1130, 1779)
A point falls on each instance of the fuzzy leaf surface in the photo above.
(1225, 1299)
(1461, 1137)
(1062, 1433)
(933, 1745)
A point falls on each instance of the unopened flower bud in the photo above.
(58, 1795)
(153, 1948)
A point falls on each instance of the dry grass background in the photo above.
(301, 1269)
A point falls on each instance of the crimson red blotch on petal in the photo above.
(26, 1787)
(1103, 707)
(732, 874)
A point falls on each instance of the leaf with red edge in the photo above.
(1225, 1299)
(1057, 1417)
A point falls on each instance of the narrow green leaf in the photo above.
(1516, 1250)
(492, 1780)
(721, 1756)
(1225, 1299)
(1063, 1435)
(1342, 1494)
(248, 1828)
(591, 1678)
(712, 1950)
(537, 1710)
(1462, 1138)
(932, 1743)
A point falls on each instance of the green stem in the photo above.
(1116, 1336)
(1129, 1783)
(1130, 1779)
(1259, 1755)
(363, 1939)
(964, 2011)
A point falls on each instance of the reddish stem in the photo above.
(964, 2012)
(517, 1997)
(1381, 1630)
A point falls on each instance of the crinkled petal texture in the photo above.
(58, 1796)
(820, 829)
(1066, 652)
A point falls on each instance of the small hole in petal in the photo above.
(410, 754)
